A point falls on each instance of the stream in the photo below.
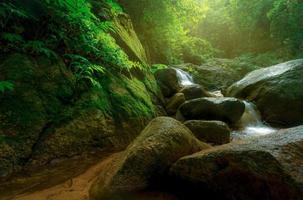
(249, 126)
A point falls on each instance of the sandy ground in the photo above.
(74, 189)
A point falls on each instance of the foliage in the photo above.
(238, 26)
(65, 27)
(156, 67)
(6, 86)
(287, 25)
(163, 26)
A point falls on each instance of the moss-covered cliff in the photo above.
(80, 81)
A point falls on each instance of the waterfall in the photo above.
(251, 123)
(184, 77)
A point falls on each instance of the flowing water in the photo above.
(251, 124)
(184, 77)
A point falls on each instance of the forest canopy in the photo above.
(171, 31)
(192, 30)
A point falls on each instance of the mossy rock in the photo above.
(146, 160)
(41, 88)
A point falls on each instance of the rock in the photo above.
(126, 37)
(218, 74)
(277, 92)
(174, 102)
(147, 159)
(49, 115)
(168, 81)
(193, 92)
(41, 88)
(268, 167)
(216, 132)
(228, 110)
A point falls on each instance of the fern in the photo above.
(39, 48)
(85, 70)
(9, 11)
(6, 85)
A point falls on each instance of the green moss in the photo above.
(156, 67)
(130, 98)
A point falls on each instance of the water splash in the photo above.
(184, 77)
(251, 124)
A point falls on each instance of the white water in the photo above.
(184, 77)
(251, 124)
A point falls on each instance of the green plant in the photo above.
(85, 70)
(6, 86)
(154, 68)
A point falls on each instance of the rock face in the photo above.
(49, 115)
(228, 110)
(127, 38)
(215, 132)
(268, 167)
(277, 92)
(193, 92)
(168, 81)
(159, 145)
(174, 102)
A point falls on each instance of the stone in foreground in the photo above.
(146, 160)
(268, 167)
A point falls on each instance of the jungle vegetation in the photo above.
(171, 31)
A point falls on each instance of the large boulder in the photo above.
(146, 160)
(228, 110)
(217, 73)
(194, 91)
(174, 102)
(277, 92)
(267, 167)
(215, 132)
(168, 81)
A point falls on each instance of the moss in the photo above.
(130, 98)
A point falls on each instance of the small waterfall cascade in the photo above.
(184, 77)
(251, 124)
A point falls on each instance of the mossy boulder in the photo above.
(174, 102)
(194, 91)
(228, 174)
(168, 81)
(215, 132)
(224, 109)
(268, 167)
(277, 92)
(146, 160)
(41, 88)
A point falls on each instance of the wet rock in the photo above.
(218, 74)
(277, 92)
(215, 132)
(194, 91)
(168, 81)
(174, 102)
(268, 167)
(228, 110)
(147, 159)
